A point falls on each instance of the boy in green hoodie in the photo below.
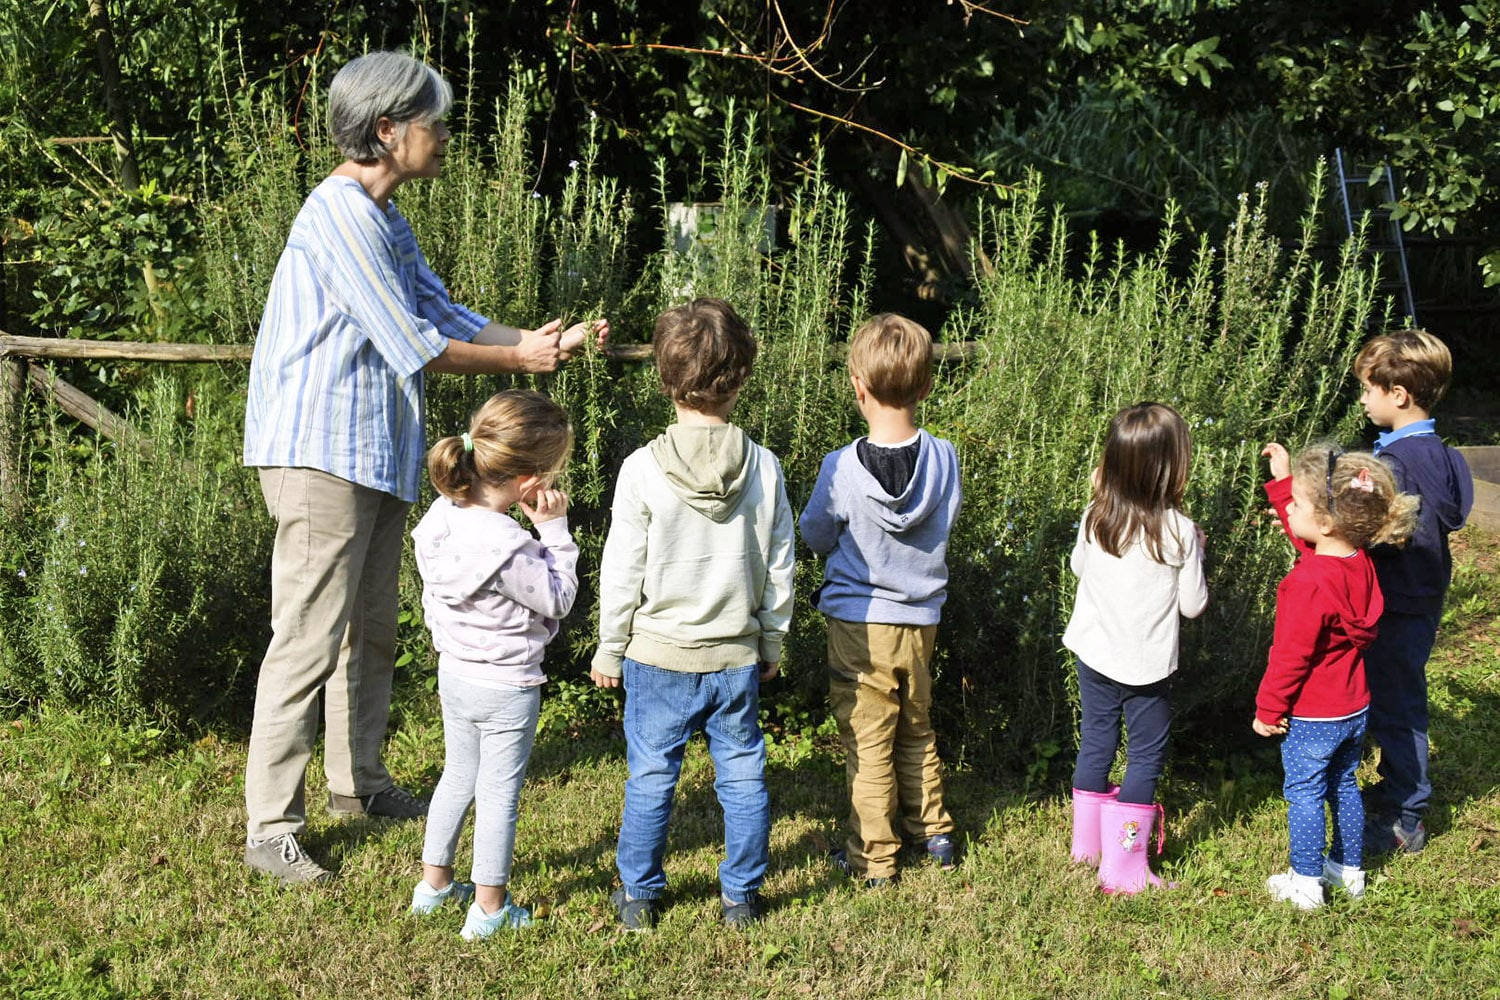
(695, 596)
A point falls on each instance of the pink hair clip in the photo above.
(1362, 482)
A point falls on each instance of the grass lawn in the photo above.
(126, 881)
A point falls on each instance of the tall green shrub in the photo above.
(145, 567)
(1250, 342)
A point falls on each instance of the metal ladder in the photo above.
(1356, 195)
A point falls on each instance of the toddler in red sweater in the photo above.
(1333, 507)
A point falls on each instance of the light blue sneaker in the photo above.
(481, 925)
(425, 899)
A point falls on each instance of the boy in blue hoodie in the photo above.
(1402, 376)
(880, 514)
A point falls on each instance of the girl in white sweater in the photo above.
(1139, 562)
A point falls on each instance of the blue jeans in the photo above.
(488, 733)
(1396, 670)
(1147, 711)
(1319, 759)
(663, 708)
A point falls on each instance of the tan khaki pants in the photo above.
(335, 571)
(880, 690)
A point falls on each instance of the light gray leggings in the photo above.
(488, 733)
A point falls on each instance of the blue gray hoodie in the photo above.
(885, 557)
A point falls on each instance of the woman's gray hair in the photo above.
(382, 85)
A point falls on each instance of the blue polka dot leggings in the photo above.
(1320, 759)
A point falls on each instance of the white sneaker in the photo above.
(1351, 880)
(1303, 891)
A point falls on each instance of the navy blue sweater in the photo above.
(1414, 579)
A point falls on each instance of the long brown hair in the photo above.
(1142, 476)
(517, 432)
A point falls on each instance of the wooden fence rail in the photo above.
(16, 373)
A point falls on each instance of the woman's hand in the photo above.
(769, 671)
(600, 680)
(539, 350)
(575, 336)
(1281, 462)
(550, 505)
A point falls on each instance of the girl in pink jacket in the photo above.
(492, 594)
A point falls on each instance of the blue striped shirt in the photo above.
(353, 316)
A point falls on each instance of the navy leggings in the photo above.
(1147, 711)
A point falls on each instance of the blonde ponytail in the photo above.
(515, 433)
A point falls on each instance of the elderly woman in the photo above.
(334, 423)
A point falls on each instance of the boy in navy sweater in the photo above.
(1403, 375)
(880, 513)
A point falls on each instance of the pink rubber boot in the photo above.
(1086, 823)
(1124, 835)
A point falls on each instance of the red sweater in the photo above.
(1326, 610)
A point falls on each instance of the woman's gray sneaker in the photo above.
(282, 857)
(393, 803)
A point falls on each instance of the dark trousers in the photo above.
(1396, 669)
(1147, 711)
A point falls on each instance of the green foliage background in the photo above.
(1251, 342)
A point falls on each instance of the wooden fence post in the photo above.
(12, 434)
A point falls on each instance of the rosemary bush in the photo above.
(144, 575)
(145, 566)
(1249, 342)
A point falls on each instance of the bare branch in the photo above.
(951, 169)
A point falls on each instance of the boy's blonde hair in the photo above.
(1335, 482)
(515, 433)
(704, 353)
(1413, 359)
(892, 356)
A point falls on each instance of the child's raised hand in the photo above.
(550, 505)
(1262, 729)
(1281, 462)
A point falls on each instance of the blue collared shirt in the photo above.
(1384, 441)
(353, 316)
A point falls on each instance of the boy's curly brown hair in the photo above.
(704, 353)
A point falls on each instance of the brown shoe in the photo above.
(393, 803)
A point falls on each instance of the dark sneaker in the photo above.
(1392, 835)
(635, 914)
(942, 851)
(840, 860)
(741, 915)
(282, 857)
(393, 803)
